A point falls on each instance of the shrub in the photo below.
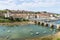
(17, 19)
(4, 20)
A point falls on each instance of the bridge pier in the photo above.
(51, 26)
(38, 23)
(58, 26)
(45, 24)
(35, 22)
(42, 24)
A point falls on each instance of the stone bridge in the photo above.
(46, 24)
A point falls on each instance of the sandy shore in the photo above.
(49, 37)
(56, 36)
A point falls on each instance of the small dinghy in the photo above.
(37, 33)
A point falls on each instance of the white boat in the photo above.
(37, 33)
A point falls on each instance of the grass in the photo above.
(58, 38)
(2, 20)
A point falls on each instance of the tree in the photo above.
(11, 18)
(44, 11)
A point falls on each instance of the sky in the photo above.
(31, 5)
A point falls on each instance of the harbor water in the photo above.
(24, 31)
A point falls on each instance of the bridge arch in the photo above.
(51, 26)
(42, 24)
(45, 24)
(38, 23)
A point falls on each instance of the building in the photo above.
(28, 15)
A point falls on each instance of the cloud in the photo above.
(37, 4)
(11, 4)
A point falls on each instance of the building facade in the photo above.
(28, 15)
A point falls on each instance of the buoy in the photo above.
(37, 33)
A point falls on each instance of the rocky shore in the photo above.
(17, 23)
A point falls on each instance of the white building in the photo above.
(7, 14)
